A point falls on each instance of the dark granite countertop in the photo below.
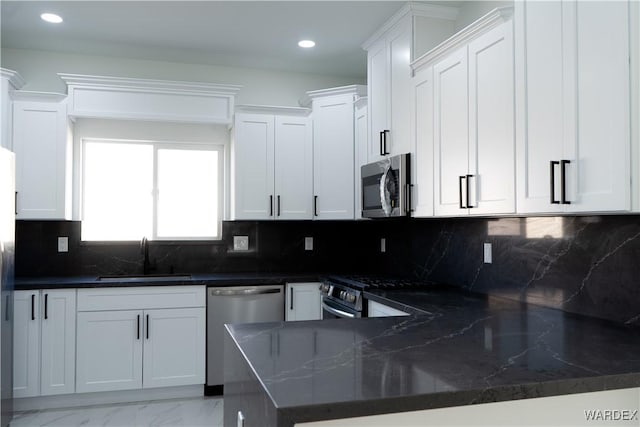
(228, 279)
(469, 349)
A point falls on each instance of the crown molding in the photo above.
(26, 95)
(413, 9)
(13, 77)
(485, 23)
(356, 90)
(148, 85)
(272, 109)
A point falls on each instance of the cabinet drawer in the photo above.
(141, 298)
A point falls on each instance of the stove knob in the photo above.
(351, 298)
(343, 295)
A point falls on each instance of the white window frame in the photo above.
(220, 148)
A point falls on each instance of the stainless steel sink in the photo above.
(145, 278)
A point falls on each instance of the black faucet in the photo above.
(144, 248)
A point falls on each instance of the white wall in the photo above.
(472, 10)
(264, 87)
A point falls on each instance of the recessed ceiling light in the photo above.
(51, 17)
(306, 43)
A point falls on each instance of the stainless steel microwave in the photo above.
(385, 187)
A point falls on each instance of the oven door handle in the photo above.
(335, 311)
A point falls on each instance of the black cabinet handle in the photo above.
(278, 205)
(147, 326)
(563, 182)
(46, 306)
(271, 205)
(33, 307)
(552, 189)
(291, 303)
(384, 143)
(460, 179)
(138, 326)
(381, 150)
(315, 205)
(408, 197)
(469, 206)
(16, 205)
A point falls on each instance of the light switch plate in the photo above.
(63, 244)
(240, 243)
(488, 256)
(308, 243)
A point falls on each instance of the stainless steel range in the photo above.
(342, 296)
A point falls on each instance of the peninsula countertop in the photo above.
(469, 349)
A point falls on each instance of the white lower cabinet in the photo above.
(109, 351)
(174, 347)
(155, 346)
(303, 301)
(380, 310)
(44, 342)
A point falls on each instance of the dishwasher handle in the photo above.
(243, 292)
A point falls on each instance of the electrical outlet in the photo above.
(63, 244)
(383, 245)
(488, 259)
(308, 243)
(240, 243)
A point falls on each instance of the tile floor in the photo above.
(196, 412)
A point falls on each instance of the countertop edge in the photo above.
(227, 279)
(492, 394)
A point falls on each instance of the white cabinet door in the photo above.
(398, 139)
(43, 155)
(109, 350)
(598, 177)
(540, 117)
(491, 122)
(573, 106)
(361, 128)
(293, 167)
(333, 158)
(380, 310)
(253, 162)
(303, 301)
(26, 343)
(422, 153)
(378, 89)
(58, 355)
(174, 347)
(451, 140)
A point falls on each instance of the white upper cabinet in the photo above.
(491, 122)
(334, 151)
(451, 130)
(409, 33)
(473, 121)
(421, 190)
(362, 145)
(573, 106)
(42, 143)
(293, 167)
(272, 166)
(9, 82)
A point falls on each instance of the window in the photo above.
(165, 191)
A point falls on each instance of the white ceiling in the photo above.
(257, 34)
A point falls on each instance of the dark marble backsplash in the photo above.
(588, 265)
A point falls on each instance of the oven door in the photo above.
(333, 310)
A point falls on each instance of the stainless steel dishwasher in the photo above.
(236, 304)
